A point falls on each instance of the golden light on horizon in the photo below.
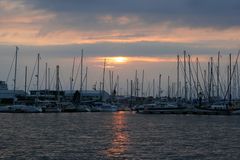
(119, 59)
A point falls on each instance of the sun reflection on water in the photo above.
(120, 140)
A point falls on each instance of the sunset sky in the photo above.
(145, 34)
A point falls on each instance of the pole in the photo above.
(230, 77)
(153, 87)
(25, 85)
(49, 79)
(71, 79)
(57, 82)
(168, 87)
(190, 77)
(160, 79)
(86, 83)
(46, 76)
(218, 73)
(142, 82)
(178, 61)
(15, 72)
(81, 76)
(38, 59)
(197, 64)
(185, 77)
(104, 65)
(127, 87)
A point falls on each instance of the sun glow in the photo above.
(119, 59)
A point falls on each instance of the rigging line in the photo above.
(60, 73)
(52, 80)
(75, 80)
(60, 84)
(10, 68)
(204, 82)
(43, 78)
(32, 75)
(187, 78)
(231, 75)
(220, 80)
(195, 86)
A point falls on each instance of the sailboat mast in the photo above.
(118, 91)
(104, 69)
(190, 77)
(57, 82)
(86, 83)
(153, 87)
(127, 87)
(230, 78)
(211, 81)
(38, 59)
(81, 75)
(110, 82)
(159, 90)
(136, 84)
(218, 75)
(49, 79)
(142, 82)
(185, 77)
(15, 72)
(25, 84)
(197, 64)
(71, 78)
(168, 87)
(178, 60)
(131, 93)
(46, 76)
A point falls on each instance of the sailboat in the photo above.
(220, 107)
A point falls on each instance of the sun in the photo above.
(119, 59)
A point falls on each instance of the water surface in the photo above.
(119, 136)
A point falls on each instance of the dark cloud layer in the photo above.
(196, 13)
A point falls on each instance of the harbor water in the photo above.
(119, 135)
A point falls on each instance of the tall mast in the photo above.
(81, 76)
(159, 85)
(25, 84)
(15, 72)
(57, 81)
(46, 76)
(71, 78)
(197, 64)
(118, 85)
(168, 87)
(38, 59)
(218, 73)
(205, 80)
(211, 80)
(230, 78)
(178, 60)
(190, 78)
(185, 77)
(136, 84)
(153, 87)
(86, 83)
(131, 92)
(127, 87)
(142, 82)
(110, 82)
(49, 79)
(104, 69)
